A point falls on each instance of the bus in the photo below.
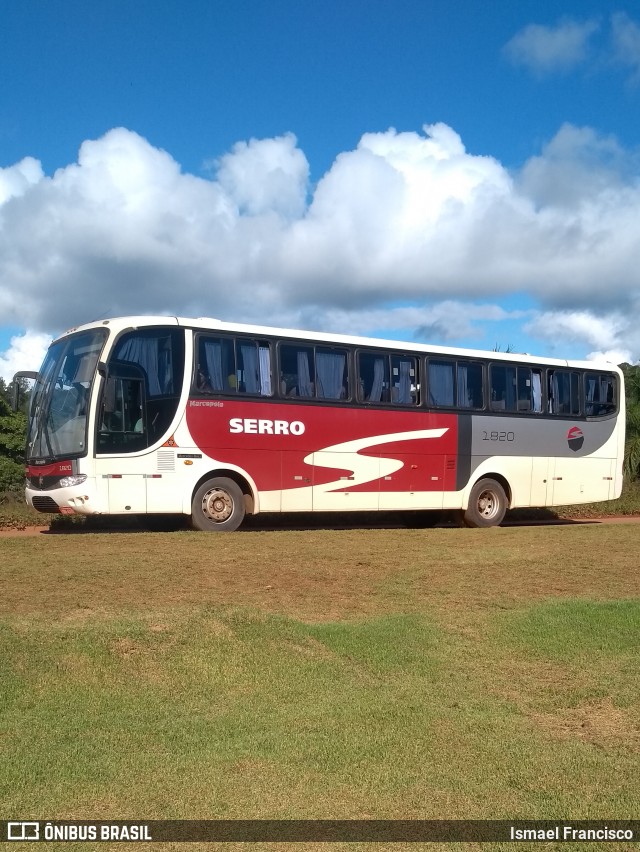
(167, 417)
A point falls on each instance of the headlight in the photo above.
(68, 481)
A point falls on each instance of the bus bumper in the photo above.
(74, 500)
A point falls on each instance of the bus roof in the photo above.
(118, 324)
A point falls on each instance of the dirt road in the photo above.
(10, 532)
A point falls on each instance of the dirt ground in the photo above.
(9, 532)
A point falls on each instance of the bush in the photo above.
(15, 514)
(11, 476)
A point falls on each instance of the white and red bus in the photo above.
(161, 416)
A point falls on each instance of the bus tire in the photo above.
(218, 506)
(487, 504)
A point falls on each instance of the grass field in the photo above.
(355, 673)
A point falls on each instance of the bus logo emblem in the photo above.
(575, 438)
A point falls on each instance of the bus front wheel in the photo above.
(487, 504)
(218, 506)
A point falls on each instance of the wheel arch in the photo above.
(497, 477)
(247, 487)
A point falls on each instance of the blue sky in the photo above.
(461, 173)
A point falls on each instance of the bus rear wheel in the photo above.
(487, 504)
(218, 506)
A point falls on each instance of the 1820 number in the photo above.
(498, 436)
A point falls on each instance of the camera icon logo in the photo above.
(23, 831)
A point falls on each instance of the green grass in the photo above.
(577, 630)
(321, 674)
(271, 721)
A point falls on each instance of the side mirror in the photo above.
(23, 374)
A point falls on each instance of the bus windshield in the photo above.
(60, 398)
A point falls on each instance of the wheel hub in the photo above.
(217, 505)
(487, 504)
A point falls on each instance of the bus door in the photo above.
(120, 438)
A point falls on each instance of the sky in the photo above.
(462, 174)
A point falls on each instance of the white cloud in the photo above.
(545, 50)
(577, 325)
(625, 40)
(266, 175)
(25, 352)
(577, 165)
(614, 335)
(405, 218)
(615, 356)
(446, 321)
(17, 179)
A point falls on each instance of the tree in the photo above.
(13, 433)
(632, 445)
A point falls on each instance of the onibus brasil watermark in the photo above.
(321, 831)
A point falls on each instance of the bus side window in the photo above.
(575, 394)
(233, 365)
(373, 376)
(470, 392)
(404, 374)
(253, 368)
(331, 373)
(111, 419)
(556, 392)
(122, 421)
(536, 391)
(599, 394)
(503, 388)
(564, 393)
(525, 389)
(441, 384)
(216, 369)
(297, 368)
